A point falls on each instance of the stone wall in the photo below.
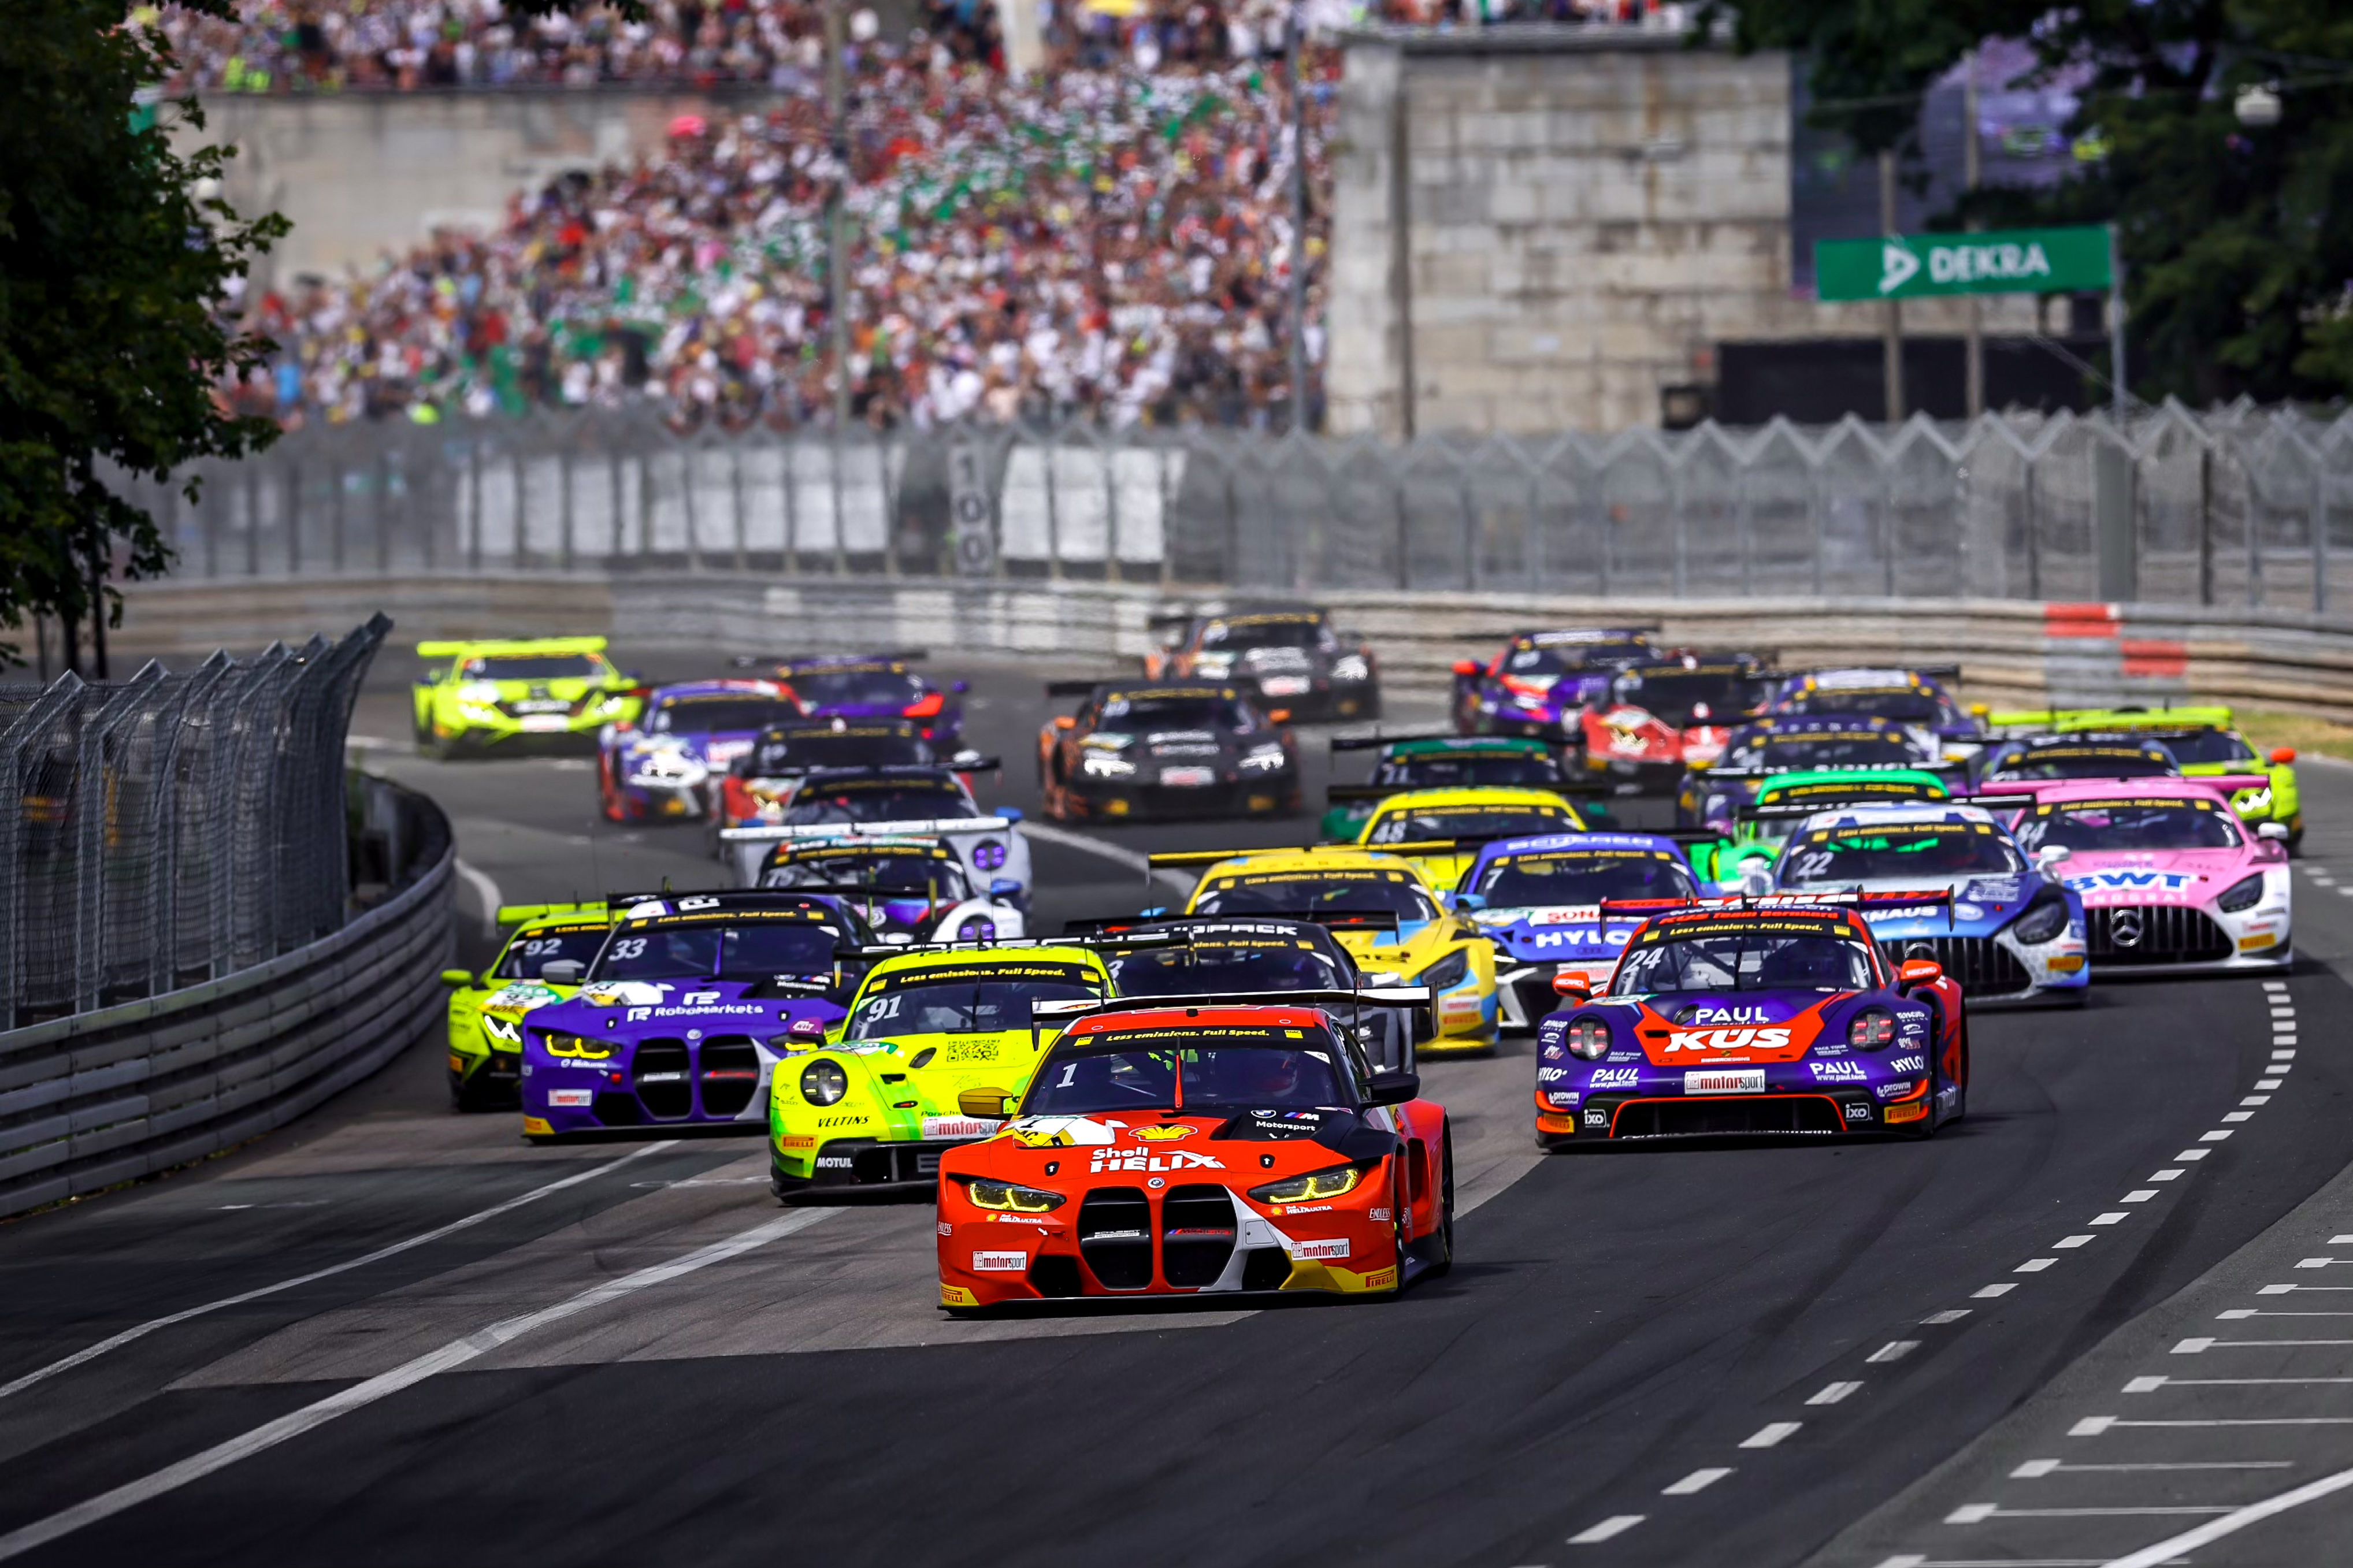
(1589, 214)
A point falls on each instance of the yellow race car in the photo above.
(486, 1010)
(1382, 907)
(1442, 830)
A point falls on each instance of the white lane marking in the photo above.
(2108, 1421)
(2139, 1194)
(2033, 1469)
(2169, 1175)
(2233, 1313)
(2274, 985)
(2269, 1082)
(2238, 1115)
(1951, 1315)
(2284, 1055)
(141, 1331)
(2255, 1381)
(2260, 1345)
(2091, 1425)
(2191, 1510)
(2340, 1241)
(457, 1352)
(1770, 1435)
(2193, 1155)
(2318, 1262)
(2113, 1216)
(1063, 837)
(2195, 1345)
(2055, 1467)
(2256, 1099)
(2073, 1241)
(1894, 1350)
(1970, 1513)
(2034, 1265)
(2216, 1136)
(2238, 1520)
(1697, 1481)
(1616, 1525)
(485, 891)
(2145, 1385)
(1988, 1291)
(1830, 1394)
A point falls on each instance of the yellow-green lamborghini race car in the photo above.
(502, 696)
(1383, 908)
(2203, 740)
(874, 1106)
(486, 1010)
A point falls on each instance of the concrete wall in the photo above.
(362, 176)
(1588, 215)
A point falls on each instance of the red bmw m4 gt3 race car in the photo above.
(1233, 1147)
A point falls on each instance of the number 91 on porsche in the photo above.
(1232, 1147)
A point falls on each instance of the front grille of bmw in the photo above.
(1982, 965)
(2129, 934)
(1191, 1229)
(673, 1075)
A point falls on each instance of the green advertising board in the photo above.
(1912, 266)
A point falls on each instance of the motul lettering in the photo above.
(1729, 1040)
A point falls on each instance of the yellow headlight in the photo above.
(579, 1046)
(1006, 1198)
(1312, 1187)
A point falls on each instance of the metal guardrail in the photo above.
(175, 828)
(2238, 506)
(104, 1097)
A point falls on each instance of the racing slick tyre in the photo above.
(1437, 1250)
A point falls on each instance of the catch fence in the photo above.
(173, 828)
(2237, 506)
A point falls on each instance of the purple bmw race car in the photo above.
(682, 1014)
(1538, 686)
(869, 686)
(662, 765)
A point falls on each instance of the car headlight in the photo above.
(822, 1083)
(1351, 667)
(579, 1047)
(2254, 802)
(1447, 973)
(2243, 894)
(1588, 1039)
(1312, 1187)
(976, 928)
(1097, 765)
(479, 691)
(1871, 1030)
(1004, 1197)
(1265, 759)
(1213, 664)
(2044, 918)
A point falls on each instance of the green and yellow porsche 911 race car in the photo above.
(873, 1108)
(486, 1010)
(503, 696)
(2203, 740)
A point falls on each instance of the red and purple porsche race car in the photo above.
(662, 763)
(1768, 1016)
(1225, 1147)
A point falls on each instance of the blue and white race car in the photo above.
(2013, 931)
(663, 764)
(1539, 899)
(1914, 698)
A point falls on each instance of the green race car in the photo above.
(486, 1010)
(515, 696)
(1434, 761)
(1761, 825)
(2203, 740)
(929, 1030)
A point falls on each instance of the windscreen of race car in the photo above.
(1462, 770)
(1770, 752)
(1191, 1069)
(1904, 704)
(1554, 877)
(536, 666)
(856, 688)
(2154, 822)
(1932, 851)
(976, 1000)
(1245, 632)
(1124, 715)
(1308, 893)
(819, 744)
(717, 713)
(1497, 821)
(1680, 697)
(2088, 760)
(933, 874)
(1759, 953)
(734, 944)
(525, 958)
(823, 801)
(2203, 747)
(1210, 966)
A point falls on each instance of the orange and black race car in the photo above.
(1229, 1147)
(1284, 656)
(1773, 1014)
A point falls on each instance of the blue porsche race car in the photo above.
(663, 764)
(870, 685)
(1743, 1017)
(1538, 686)
(683, 1013)
(2012, 932)
(1539, 900)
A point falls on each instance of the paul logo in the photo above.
(1703, 1013)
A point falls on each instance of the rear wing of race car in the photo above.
(1115, 941)
(1882, 901)
(511, 645)
(1789, 811)
(1372, 997)
(1337, 794)
(2011, 722)
(1375, 739)
(813, 660)
(932, 827)
(516, 914)
(1928, 671)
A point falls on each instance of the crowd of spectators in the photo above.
(1098, 245)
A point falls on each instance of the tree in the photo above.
(2237, 241)
(115, 335)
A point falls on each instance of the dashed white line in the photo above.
(2193, 1155)
(2214, 1137)
(2194, 1345)
(1894, 1350)
(2237, 1115)
(1771, 1434)
(1832, 1394)
(2144, 1384)
(2269, 1082)
(2141, 1194)
(1616, 1525)
(2169, 1175)
(1697, 1481)
(1950, 1315)
(2070, 1241)
(2034, 1265)
(1985, 1292)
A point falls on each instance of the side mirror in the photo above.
(1756, 881)
(561, 972)
(1394, 1087)
(2275, 831)
(959, 687)
(1920, 972)
(1003, 888)
(1066, 721)
(457, 979)
(1572, 988)
(990, 1104)
(1280, 715)
(2283, 755)
(898, 939)
(1010, 813)
(1979, 711)
(1468, 668)
(1470, 901)
(2049, 855)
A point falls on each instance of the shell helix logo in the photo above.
(1167, 1135)
(1103, 1160)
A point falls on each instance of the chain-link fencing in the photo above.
(173, 828)
(2238, 506)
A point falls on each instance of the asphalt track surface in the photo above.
(1732, 1354)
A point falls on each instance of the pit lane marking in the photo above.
(456, 1353)
(141, 1331)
